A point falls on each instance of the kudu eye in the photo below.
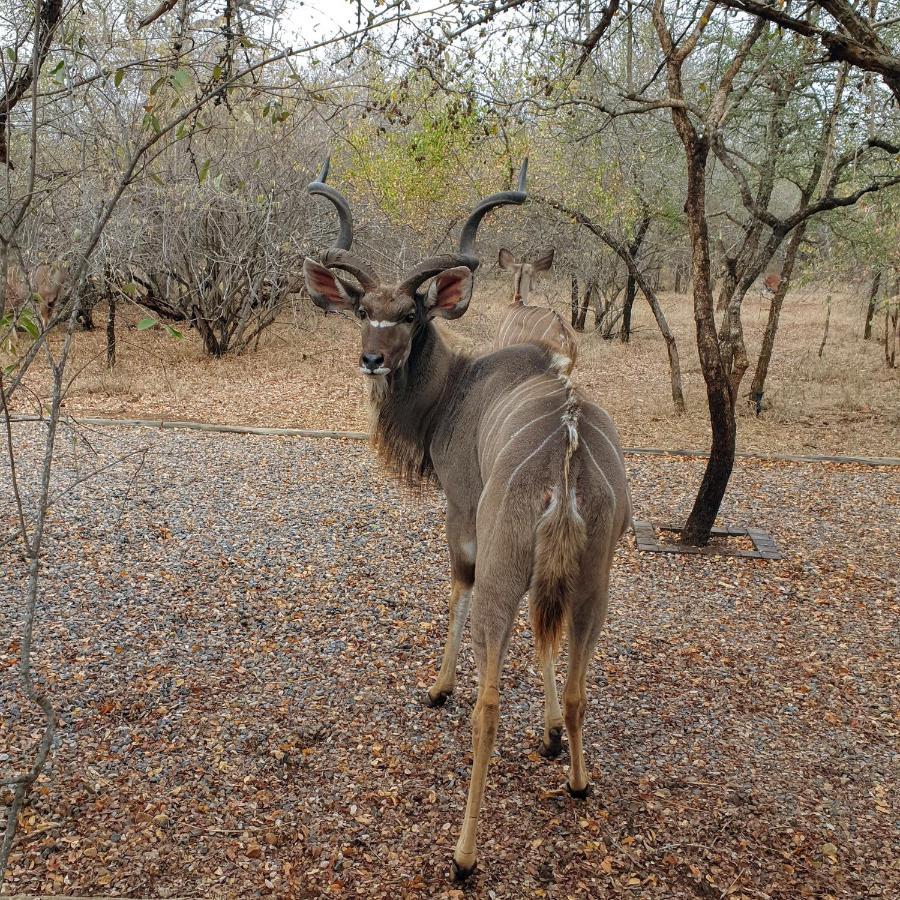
(410, 316)
(361, 313)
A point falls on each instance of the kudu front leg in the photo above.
(461, 543)
(444, 685)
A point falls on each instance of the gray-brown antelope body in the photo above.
(533, 473)
(46, 285)
(524, 324)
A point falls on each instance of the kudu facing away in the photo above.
(525, 324)
(533, 474)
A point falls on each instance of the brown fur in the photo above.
(46, 285)
(537, 324)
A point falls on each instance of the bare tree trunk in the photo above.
(873, 300)
(721, 403)
(631, 284)
(627, 306)
(679, 274)
(827, 322)
(111, 331)
(629, 49)
(758, 386)
(583, 307)
(574, 300)
(891, 322)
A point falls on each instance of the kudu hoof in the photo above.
(461, 873)
(552, 748)
(438, 699)
(580, 794)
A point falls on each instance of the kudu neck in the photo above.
(413, 403)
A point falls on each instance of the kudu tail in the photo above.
(560, 539)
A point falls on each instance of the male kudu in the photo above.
(533, 473)
(525, 324)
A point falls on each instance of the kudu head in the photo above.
(525, 273)
(391, 315)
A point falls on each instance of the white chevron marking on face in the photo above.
(382, 324)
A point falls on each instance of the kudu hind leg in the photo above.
(584, 631)
(492, 625)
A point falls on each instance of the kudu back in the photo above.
(523, 324)
(533, 474)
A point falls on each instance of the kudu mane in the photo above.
(404, 416)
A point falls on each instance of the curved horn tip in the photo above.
(326, 167)
(523, 174)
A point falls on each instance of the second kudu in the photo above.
(524, 324)
(45, 287)
(533, 474)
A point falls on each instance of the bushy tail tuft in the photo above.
(560, 539)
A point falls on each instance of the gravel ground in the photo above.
(237, 632)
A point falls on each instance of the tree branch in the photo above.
(597, 32)
(861, 46)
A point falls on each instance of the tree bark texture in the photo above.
(873, 300)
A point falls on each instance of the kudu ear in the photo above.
(449, 293)
(329, 292)
(506, 260)
(544, 261)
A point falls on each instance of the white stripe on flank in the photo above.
(596, 464)
(602, 434)
(518, 431)
(501, 407)
(508, 410)
(534, 452)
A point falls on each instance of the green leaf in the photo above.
(27, 321)
(217, 182)
(157, 84)
(181, 79)
(118, 77)
(216, 72)
(173, 332)
(146, 324)
(204, 171)
(11, 54)
(57, 67)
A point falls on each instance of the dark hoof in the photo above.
(439, 700)
(459, 873)
(554, 748)
(583, 794)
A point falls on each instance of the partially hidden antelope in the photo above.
(46, 285)
(532, 471)
(524, 324)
